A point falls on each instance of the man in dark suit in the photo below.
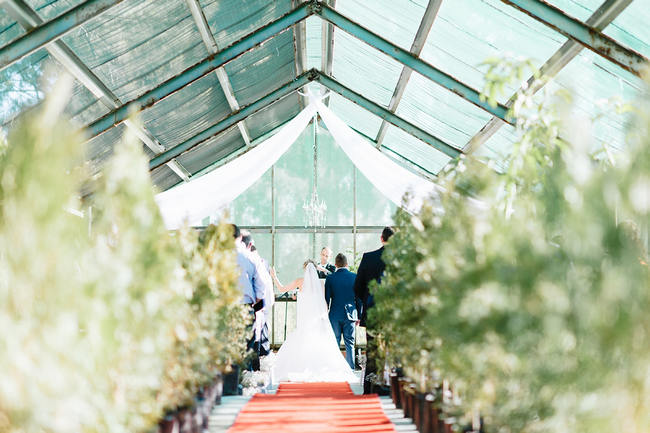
(339, 295)
(371, 268)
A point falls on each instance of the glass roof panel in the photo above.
(259, 71)
(415, 150)
(467, 32)
(364, 69)
(631, 27)
(355, 116)
(440, 112)
(187, 112)
(231, 20)
(134, 46)
(395, 20)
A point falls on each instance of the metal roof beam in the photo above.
(299, 49)
(416, 48)
(53, 30)
(599, 20)
(409, 60)
(27, 17)
(212, 47)
(385, 114)
(327, 45)
(214, 130)
(200, 69)
(583, 33)
(412, 166)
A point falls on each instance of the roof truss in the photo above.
(582, 34)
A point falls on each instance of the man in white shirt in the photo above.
(252, 287)
(263, 316)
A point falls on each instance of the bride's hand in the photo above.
(273, 274)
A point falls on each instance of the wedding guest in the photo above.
(325, 268)
(269, 300)
(371, 268)
(250, 284)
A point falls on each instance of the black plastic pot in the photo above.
(231, 382)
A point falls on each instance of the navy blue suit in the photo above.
(339, 295)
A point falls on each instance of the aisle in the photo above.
(313, 407)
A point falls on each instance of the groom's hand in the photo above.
(357, 322)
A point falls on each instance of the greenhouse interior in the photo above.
(324, 215)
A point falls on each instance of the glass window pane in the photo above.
(335, 180)
(253, 207)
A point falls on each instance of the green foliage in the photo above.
(104, 329)
(534, 308)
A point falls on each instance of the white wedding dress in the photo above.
(310, 353)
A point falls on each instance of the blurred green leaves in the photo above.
(535, 309)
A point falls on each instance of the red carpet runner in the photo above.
(312, 407)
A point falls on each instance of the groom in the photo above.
(339, 295)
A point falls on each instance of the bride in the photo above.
(310, 353)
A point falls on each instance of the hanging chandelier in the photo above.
(315, 209)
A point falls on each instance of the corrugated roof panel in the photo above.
(417, 151)
(84, 107)
(164, 178)
(257, 72)
(364, 69)
(395, 20)
(273, 116)
(631, 27)
(211, 150)
(187, 112)
(467, 32)
(138, 44)
(598, 85)
(440, 112)
(313, 45)
(355, 116)
(21, 86)
(9, 29)
(580, 9)
(49, 9)
(230, 20)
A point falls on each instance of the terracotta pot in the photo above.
(417, 414)
(402, 393)
(422, 417)
(394, 390)
(169, 424)
(435, 419)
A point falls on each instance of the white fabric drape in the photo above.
(207, 194)
(387, 176)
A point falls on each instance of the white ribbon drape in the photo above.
(387, 176)
(206, 195)
(192, 201)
